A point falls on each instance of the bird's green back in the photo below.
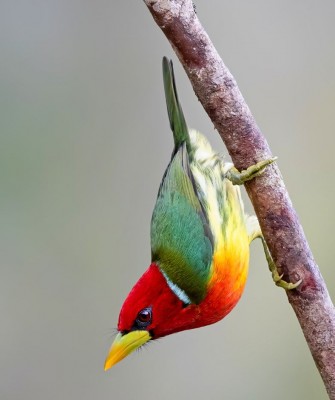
(181, 241)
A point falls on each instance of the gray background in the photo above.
(84, 143)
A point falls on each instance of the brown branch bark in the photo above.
(217, 91)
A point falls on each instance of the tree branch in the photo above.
(217, 90)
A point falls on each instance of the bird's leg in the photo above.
(273, 269)
(239, 177)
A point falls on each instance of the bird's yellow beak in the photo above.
(124, 345)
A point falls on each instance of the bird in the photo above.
(200, 238)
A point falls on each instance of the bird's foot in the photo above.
(239, 177)
(273, 269)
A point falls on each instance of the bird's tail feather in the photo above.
(175, 112)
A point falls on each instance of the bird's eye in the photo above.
(144, 317)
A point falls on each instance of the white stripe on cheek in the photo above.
(180, 293)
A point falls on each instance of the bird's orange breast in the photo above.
(229, 274)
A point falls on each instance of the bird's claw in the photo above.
(280, 282)
(240, 177)
(274, 271)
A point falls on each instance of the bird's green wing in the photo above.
(181, 241)
(176, 116)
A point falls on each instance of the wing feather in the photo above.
(181, 240)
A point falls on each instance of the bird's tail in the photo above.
(175, 112)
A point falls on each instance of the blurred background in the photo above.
(84, 141)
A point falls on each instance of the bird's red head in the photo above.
(151, 310)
